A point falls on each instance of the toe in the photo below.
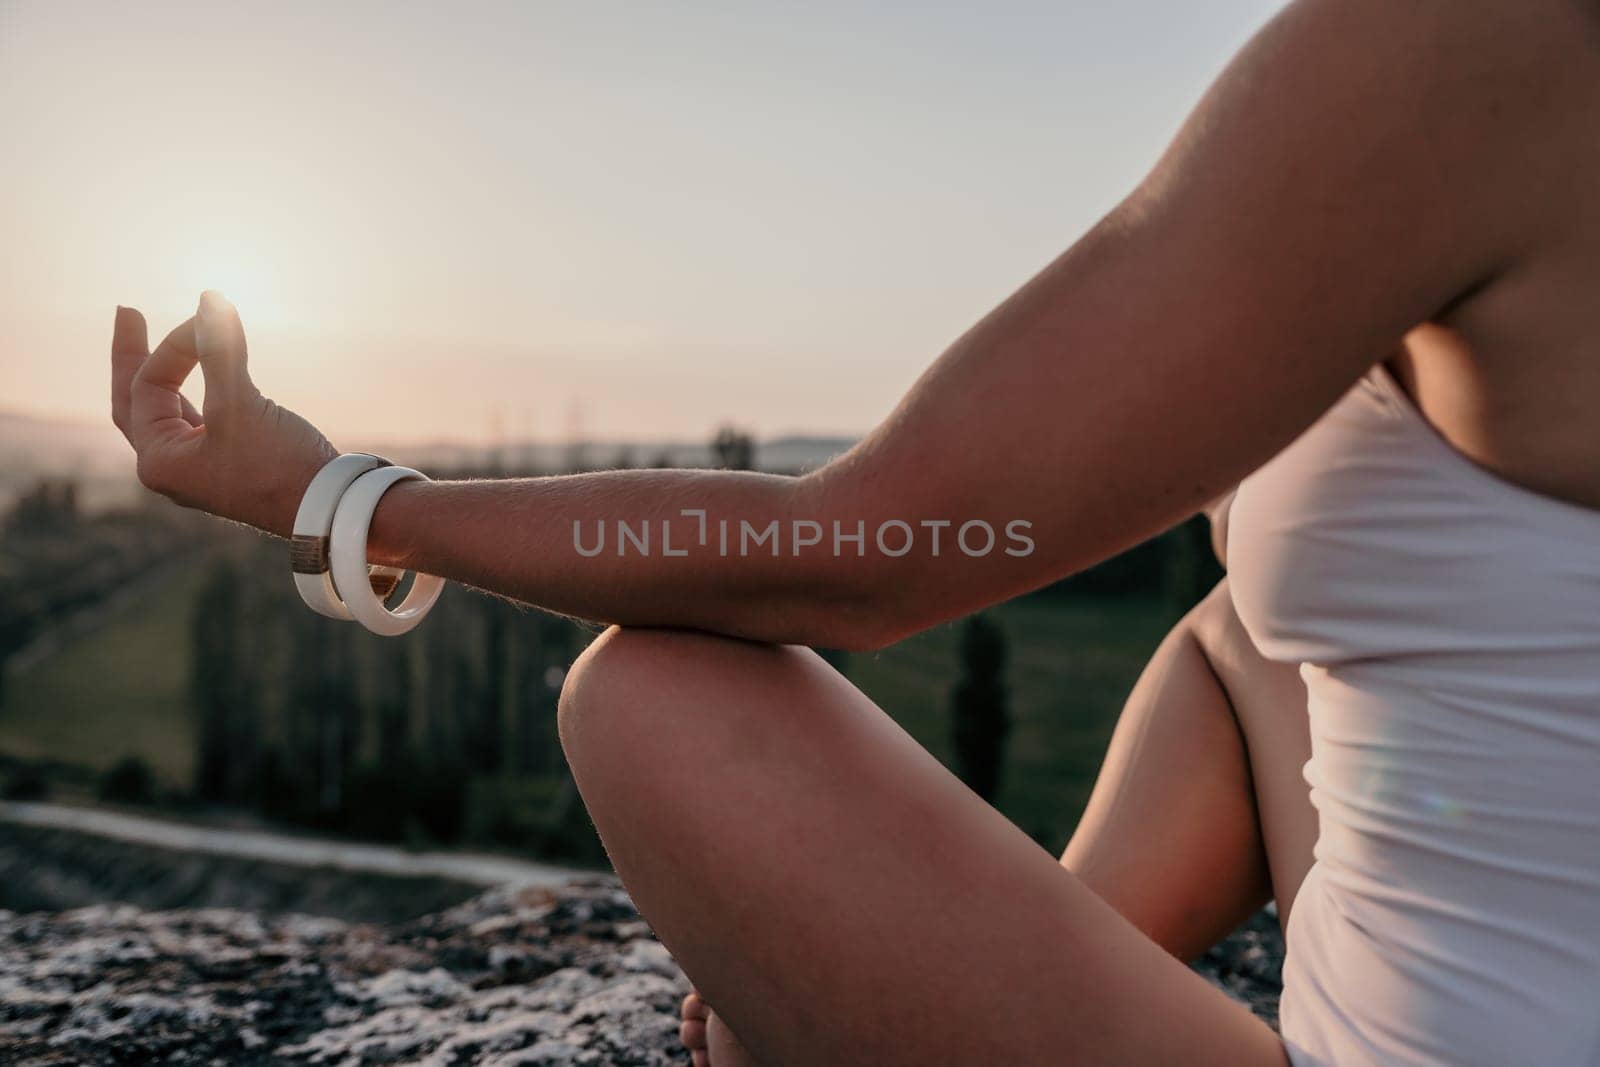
(694, 1007)
(692, 1032)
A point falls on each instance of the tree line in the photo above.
(445, 736)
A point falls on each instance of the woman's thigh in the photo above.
(1170, 837)
(1268, 699)
(1199, 812)
(838, 896)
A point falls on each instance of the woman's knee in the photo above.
(612, 680)
(647, 692)
(1232, 653)
(1213, 622)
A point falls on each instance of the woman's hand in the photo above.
(243, 458)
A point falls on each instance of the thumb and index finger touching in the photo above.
(220, 346)
(212, 337)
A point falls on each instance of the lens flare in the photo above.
(248, 279)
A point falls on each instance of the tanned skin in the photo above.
(1367, 181)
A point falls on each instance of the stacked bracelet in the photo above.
(354, 590)
(348, 557)
(308, 549)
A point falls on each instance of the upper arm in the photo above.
(1352, 173)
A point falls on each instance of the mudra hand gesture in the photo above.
(243, 457)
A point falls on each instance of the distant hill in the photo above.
(790, 453)
(94, 453)
(57, 445)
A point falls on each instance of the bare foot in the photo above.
(708, 1039)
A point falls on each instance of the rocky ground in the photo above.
(510, 977)
(527, 977)
(218, 960)
(1249, 964)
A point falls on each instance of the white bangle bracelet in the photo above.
(347, 552)
(308, 548)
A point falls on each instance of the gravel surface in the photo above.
(531, 976)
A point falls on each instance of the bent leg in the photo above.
(1269, 703)
(838, 895)
(1200, 812)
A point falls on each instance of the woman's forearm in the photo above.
(713, 550)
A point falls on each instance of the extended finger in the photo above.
(130, 345)
(220, 345)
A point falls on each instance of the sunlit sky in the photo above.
(629, 221)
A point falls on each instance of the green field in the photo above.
(122, 689)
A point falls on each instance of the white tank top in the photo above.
(1447, 624)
